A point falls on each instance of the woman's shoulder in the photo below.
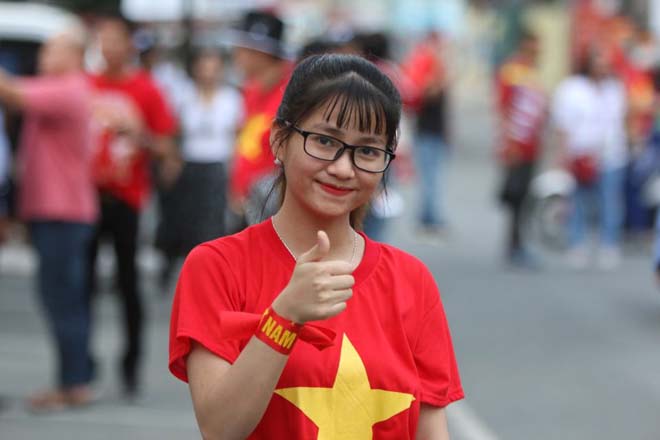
(571, 83)
(229, 94)
(401, 260)
(406, 275)
(233, 247)
(616, 85)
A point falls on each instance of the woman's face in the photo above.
(328, 189)
(601, 64)
(208, 69)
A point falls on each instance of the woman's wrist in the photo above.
(285, 312)
(278, 332)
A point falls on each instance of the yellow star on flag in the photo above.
(351, 407)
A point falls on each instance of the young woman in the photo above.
(193, 209)
(590, 113)
(375, 358)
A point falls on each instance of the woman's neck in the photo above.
(206, 91)
(298, 232)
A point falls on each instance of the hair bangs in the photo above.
(351, 101)
(355, 108)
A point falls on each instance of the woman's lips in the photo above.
(334, 190)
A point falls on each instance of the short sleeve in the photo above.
(434, 351)
(159, 116)
(49, 96)
(504, 88)
(206, 287)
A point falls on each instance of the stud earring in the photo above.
(278, 162)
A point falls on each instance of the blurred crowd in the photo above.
(97, 143)
(596, 132)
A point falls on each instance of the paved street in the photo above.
(554, 354)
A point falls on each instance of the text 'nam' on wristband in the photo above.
(278, 333)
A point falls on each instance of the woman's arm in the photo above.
(229, 400)
(432, 423)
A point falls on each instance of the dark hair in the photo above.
(316, 47)
(351, 88)
(584, 65)
(199, 54)
(527, 36)
(129, 26)
(375, 45)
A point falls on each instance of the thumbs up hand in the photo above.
(317, 289)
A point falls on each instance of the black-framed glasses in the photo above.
(327, 148)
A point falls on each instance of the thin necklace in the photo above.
(355, 236)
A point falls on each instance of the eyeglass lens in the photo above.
(327, 148)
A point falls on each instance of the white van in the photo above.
(23, 27)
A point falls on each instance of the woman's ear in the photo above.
(276, 138)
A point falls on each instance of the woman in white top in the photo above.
(589, 114)
(209, 113)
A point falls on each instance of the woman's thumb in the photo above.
(318, 251)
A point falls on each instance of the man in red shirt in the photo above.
(58, 201)
(521, 105)
(135, 126)
(260, 56)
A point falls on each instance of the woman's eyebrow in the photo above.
(327, 128)
(334, 131)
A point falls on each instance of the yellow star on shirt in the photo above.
(351, 407)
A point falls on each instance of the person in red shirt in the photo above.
(57, 199)
(260, 56)
(426, 68)
(521, 105)
(135, 126)
(375, 358)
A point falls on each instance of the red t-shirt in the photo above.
(254, 158)
(522, 106)
(422, 66)
(392, 349)
(121, 164)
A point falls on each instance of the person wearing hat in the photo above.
(260, 57)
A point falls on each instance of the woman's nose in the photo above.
(342, 166)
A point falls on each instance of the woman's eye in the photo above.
(368, 152)
(325, 141)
